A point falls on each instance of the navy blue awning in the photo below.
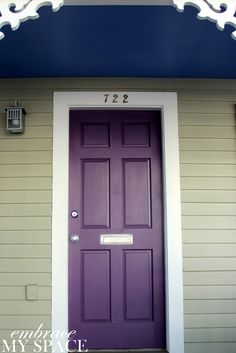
(114, 41)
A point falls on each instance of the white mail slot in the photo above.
(116, 239)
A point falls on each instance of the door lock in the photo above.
(74, 238)
(74, 214)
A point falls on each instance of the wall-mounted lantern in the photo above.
(15, 119)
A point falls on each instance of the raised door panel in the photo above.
(96, 285)
(137, 193)
(138, 284)
(95, 189)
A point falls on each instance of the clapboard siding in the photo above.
(202, 263)
(208, 168)
(210, 292)
(208, 209)
(208, 132)
(25, 263)
(26, 183)
(209, 236)
(25, 251)
(193, 119)
(25, 145)
(219, 347)
(19, 293)
(26, 170)
(212, 170)
(208, 183)
(29, 157)
(24, 322)
(24, 278)
(25, 210)
(16, 307)
(210, 306)
(210, 278)
(207, 95)
(16, 196)
(205, 144)
(25, 237)
(31, 106)
(207, 136)
(208, 222)
(35, 132)
(208, 195)
(209, 321)
(212, 335)
(16, 210)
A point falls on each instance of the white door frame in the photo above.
(167, 103)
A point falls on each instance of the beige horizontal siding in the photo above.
(25, 307)
(25, 211)
(19, 293)
(24, 94)
(212, 335)
(209, 306)
(209, 132)
(26, 170)
(209, 195)
(25, 236)
(209, 236)
(208, 209)
(210, 278)
(210, 292)
(24, 278)
(25, 251)
(210, 347)
(17, 210)
(24, 322)
(207, 136)
(31, 106)
(196, 106)
(22, 157)
(205, 144)
(209, 320)
(37, 132)
(39, 196)
(212, 170)
(207, 157)
(207, 263)
(43, 264)
(208, 183)
(26, 184)
(7, 145)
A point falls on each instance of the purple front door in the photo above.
(116, 291)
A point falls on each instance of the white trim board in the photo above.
(167, 102)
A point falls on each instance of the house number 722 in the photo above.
(116, 98)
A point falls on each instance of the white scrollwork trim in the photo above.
(221, 12)
(13, 12)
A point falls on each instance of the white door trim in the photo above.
(167, 102)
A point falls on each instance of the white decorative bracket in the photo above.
(13, 12)
(221, 12)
